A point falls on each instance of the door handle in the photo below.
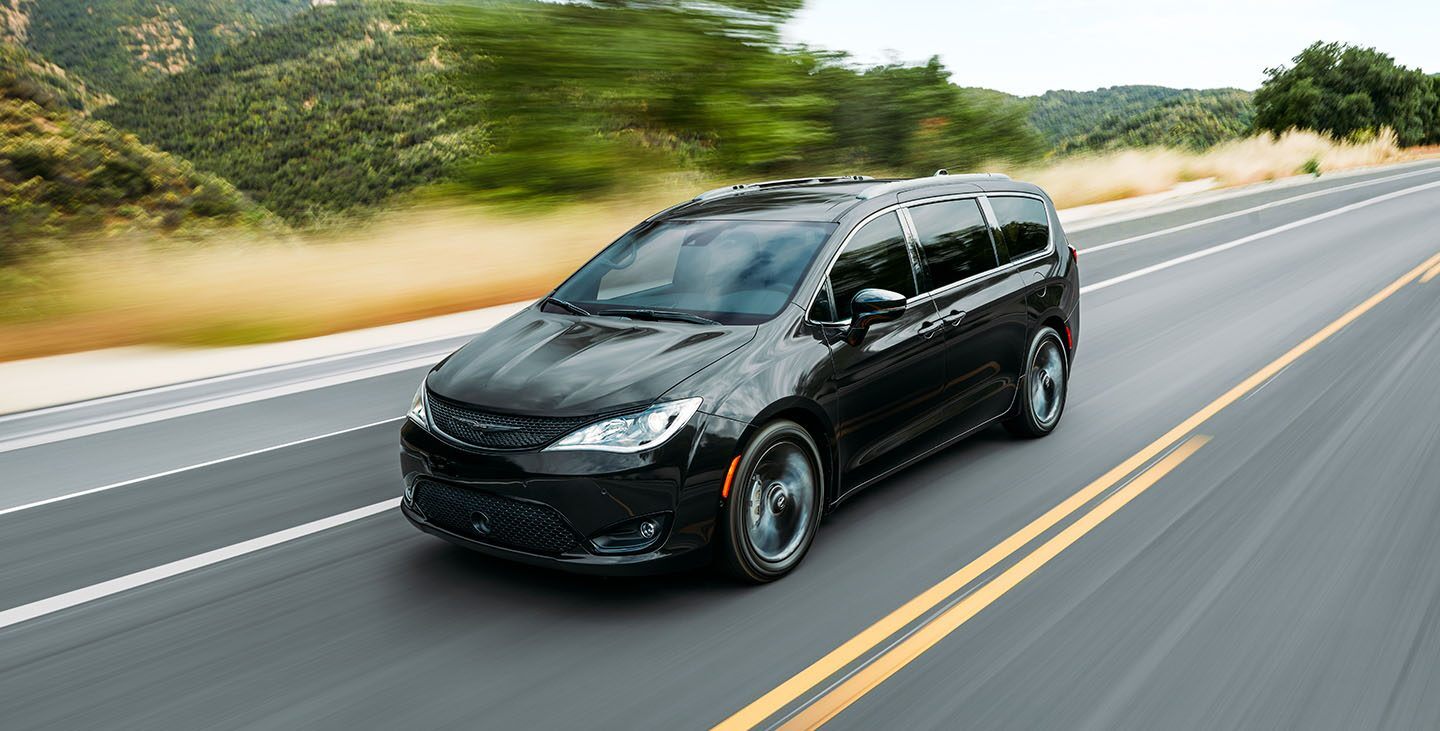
(954, 318)
(928, 329)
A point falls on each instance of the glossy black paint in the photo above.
(918, 377)
(873, 306)
(537, 363)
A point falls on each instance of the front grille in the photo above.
(498, 431)
(528, 526)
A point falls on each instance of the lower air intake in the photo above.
(489, 518)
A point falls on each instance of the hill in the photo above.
(1195, 120)
(119, 46)
(26, 76)
(1127, 116)
(339, 107)
(62, 172)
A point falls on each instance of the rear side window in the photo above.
(956, 240)
(1024, 224)
(876, 257)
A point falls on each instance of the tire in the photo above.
(1043, 387)
(770, 518)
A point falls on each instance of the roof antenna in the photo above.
(942, 171)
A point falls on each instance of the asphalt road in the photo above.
(1278, 571)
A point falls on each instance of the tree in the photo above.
(1343, 90)
(662, 84)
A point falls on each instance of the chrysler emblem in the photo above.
(487, 427)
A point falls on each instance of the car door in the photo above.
(983, 321)
(889, 383)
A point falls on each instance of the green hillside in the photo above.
(1127, 116)
(62, 172)
(26, 76)
(121, 45)
(1195, 121)
(1061, 114)
(337, 108)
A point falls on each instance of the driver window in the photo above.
(875, 258)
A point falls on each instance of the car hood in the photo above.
(536, 363)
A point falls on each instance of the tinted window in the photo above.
(956, 240)
(1023, 223)
(876, 257)
(736, 272)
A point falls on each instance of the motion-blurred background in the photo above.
(238, 171)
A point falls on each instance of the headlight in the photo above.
(417, 408)
(632, 432)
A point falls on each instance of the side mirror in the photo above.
(869, 307)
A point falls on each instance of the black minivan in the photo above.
(729, 370)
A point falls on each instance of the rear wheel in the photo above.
(774, 506)
(1043, 388)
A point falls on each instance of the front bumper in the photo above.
(582, 493)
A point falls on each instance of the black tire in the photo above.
(760, 497)
(1035, 415)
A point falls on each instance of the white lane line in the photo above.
(150, 417)
(212, 380)
(33, 610)
(1256, 237)
(178, 470)
(1256, 209)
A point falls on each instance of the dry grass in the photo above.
(430, 260)
(1079, 181)
(413, 264)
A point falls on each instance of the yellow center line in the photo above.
(788, 691)
(872, 675)
(1433, 273)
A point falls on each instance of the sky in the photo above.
(1030, 46)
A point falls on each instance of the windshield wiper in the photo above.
(645, 314)
(571, 306)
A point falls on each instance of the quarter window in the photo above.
(956, 240)
(1024, 225)
(876, 257)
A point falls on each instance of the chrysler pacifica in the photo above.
(715, 381)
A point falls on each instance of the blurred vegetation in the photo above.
(338, 109)
(64, 173)
(1348, 91)
(580, 97)
(321, 110)
(225, 111)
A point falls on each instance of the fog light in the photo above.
(631, 536)
(410, 494)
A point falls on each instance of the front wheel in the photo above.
(776, 496)
(1043, 388)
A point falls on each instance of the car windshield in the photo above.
(732, 272)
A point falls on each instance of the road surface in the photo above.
(1237, 525)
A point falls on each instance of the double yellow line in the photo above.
(1433, 273)
(839, 697)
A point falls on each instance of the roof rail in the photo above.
(743, 187)
(972, 176)
(907, 184)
